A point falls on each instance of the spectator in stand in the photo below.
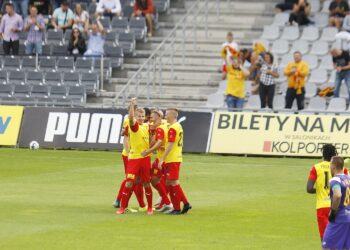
(96, 39)
(286, 5)
(81, 18)
(63, 17)
(35, 26)
(76, 45)
(296, 73)
(245, 57)
(341, 61)
(109, 8)
(300, 13)
(268, 73)
(11, 24)
(145, 8)
(257, 59)
(338, 10)
(44, 6)
(21, 7)
(236, 75)
(229, 51)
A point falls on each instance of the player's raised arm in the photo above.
(132, 111)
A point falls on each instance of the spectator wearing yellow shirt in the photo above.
(296, 72)
(236, 75)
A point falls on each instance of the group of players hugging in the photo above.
(141, 139)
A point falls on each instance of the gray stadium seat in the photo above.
(331, 81)
(222, 85)
(253, 102)
(90, 82)
(67, 35)
(216, 100)
(248, 88)
(54, 37)
(310, 33)
(39, 91)
(8, 100)
(315, 5)
(328, 34)
(76, 94)
(44, 101)
(281, 19)
(22, 36)
(282, 77)
(111, 38)
(310, 89)
(161, 5)
(300, 45)
(47, 64)
(71, 79)
(53, 78)
(344, 91)
(17, 77)
(318, 76)
(35, 78)
(46, 50)
(127, 42)
(316, 104)
(138, 26)
(59, 50)
(321, 20)
(286, 58)
(120, 24)
(116, 54)
(21, 91)
(58, 92)
(325, 7)
(128, 10)
(319, 48)
(12, 63)
(92, 9)
(65, 64)
(29, 63)
(337, 105)
(106, 23)
(3, 76)
(280, 47)
(83, 64)
(311, 60)
(326, 62)
(278, 102)
(5, 90)
(271, 32)
(290, 33)
(106, 66)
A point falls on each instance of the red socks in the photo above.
(182, 195)
(138, 190)
(162, 192)
(120, 192)
(149, 196)
(126, 196)
(175, 197)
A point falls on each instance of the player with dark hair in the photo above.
(337, 234)
(147, 114)
(318, 183)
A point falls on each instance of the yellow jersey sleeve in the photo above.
(175, 135)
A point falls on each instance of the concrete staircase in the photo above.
(199, 76)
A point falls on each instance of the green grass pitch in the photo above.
(63, 200)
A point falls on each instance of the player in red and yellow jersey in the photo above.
(138, 166)
(318, 182)
(173, 157)
(158, 144)
(138, 188)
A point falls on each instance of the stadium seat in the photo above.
(315, 5)
(54, 37)
(271, 32)
(83, 64)
(301, 46)
(282, 77)
(325, 7)
(331, 81)
(326, 62)
(106, 66)
(47, 64)
(316, 104)
(116, 54)
(76, 94)
(22, 49)
(46, 50)
(5, 90)
(8, 100)
(253, 102)
(59, 50)
(35, 78)
(111, 38)
(12, 63)
(310, 89)
(318, 76)
(328, 34)
(58, 92)
(319, 48)
(22, 36)
(3, 76)
(161, 5)
(344, 91)
(92, 8)
(337, 105)
(286, 58)
(71, 79)
(106, 23)
(128, 10)
(216, 100)
(53, 78)
(311, 60)
(280, 47)
(90, 81)
(17, 77)
(65, 64)
(321, 20)
(290, 33)
(120, 24)
(248, 87)
(67, 35)
(39, 91)
(281, 19)
(21, 91)
(29, 63)
(310, 33)
(127, 42)
(222, 85)
(138, 26)
(278, 102)
(25, 101)
(44, 101)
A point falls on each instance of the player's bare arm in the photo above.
(166, 153)
(310, 187)
(132, 105)
(126, 143)
(156, 146)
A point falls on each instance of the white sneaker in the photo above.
(165, 208)
(169, 210)
(158, 201)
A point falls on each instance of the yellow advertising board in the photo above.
(279, 134)
(10, 123)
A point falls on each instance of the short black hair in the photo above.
(147, 111)
(64, 3)
(328, 151)
(9, 4)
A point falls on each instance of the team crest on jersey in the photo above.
(131, 176)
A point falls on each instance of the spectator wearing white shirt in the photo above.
(81, 18)
(109, 8)
(229, 50)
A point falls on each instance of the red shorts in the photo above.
(139, 167)
(155, 171)
(125, 161)
(172, 170)
(322, 219)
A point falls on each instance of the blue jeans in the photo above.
(339, 77)
(32, 48)
(21, 7)
(234, 102)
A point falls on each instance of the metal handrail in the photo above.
(160, 50)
